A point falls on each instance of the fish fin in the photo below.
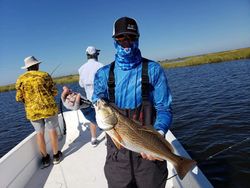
(146, 130)
(116, 138)
(159, 159)
(183, 166)
(136, 121)
(118, 145)
(169, 146)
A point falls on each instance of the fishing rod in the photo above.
(219, 152)
(64, 123)
(61, 110)
(55, 68)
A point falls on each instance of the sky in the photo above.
(58, 32)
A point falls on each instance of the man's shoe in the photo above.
(45, 161)
(94, 142)
(57, 157)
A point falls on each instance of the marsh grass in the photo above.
(57, 80)
(217, 57)
(66, 79)
(7, 88)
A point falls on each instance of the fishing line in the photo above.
(219, 152)
(172, 177)
(230, 147)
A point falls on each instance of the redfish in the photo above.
(131, 135)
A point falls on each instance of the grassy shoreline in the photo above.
(243, 53)
(217, 57)
(57, 80)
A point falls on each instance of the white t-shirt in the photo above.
(87, 75)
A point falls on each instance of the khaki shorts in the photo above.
(50, 122)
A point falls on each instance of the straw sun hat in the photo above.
(30, 61)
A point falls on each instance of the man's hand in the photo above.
(71, 100)
(74, 101)
(150, 157)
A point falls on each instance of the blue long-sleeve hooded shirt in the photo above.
(128, 90)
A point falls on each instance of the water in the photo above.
(211, 107)
(212, 112)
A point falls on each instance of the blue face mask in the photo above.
(127, 58)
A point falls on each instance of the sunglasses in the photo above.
(122, 38)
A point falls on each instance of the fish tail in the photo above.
(183, 166)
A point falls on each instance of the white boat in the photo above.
(82, 165)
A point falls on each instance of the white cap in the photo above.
(30, 61)
(91, 50)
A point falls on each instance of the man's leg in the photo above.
(150, 173)
(41, 143)
(118, 168)
(89, 114)
(93, 134)
(53, 140)
(52, 123)
(39, 127)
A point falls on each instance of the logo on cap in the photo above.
(132, 27)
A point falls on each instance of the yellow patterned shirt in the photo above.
(36, 90)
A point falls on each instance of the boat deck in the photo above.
(82, 164)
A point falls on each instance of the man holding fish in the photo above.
(133, 105)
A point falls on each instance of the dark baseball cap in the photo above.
(125, 25)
